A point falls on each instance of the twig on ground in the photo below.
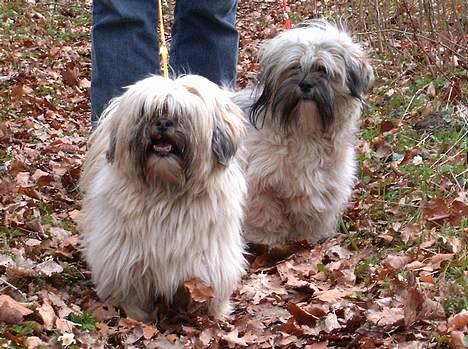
(2, 280)
(449, 149)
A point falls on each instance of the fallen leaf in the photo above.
(333, 295)
(17, 92)
(410, 233)
(233, 339)
(149, 331)
(418, 306)
(458, 340)
(128, 323)
(42, 178)
(207, 335)
(292, 327)
(321, 345)
(437, 259)
(330, 323)
(135, 335)
(104, 329)
(260, 286)
(411, 345)
(49, 267)
(11, 311)
(63, 325)
(436, 211)
(47, 314)
(70, 77)
(396, 261)
(302, 316)
(34, 342)
(198, 290)
(386, 316)
(455, 244)
(275, 254)
(431, 90)
(458, 321)
(386, 125)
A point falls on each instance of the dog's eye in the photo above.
(322, 70)
(294, 67)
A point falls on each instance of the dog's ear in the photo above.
(110, 153)
(359, 78)
(224, 147)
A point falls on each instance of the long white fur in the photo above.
(300, 178)
(142, 242)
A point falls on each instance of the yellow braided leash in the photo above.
(163, 52)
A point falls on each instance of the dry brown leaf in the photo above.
(418, 306)
(129, 323)
(287, 272)
(42, 178)
(233, 339)
(321, 345)
(63, 325)
(63, 310)
(437, 259)
(47, 314)
(102, 311)
(104, 329)
(49, 267)
(457, 340)
(292, 327)
(275, 254)
(458, 321)
(207, 335)
(436, 211)
(303, 317)
(386, 316)
(17, 92)
(54, 51)
(149, 331)
(411, 345)
(455, 244)
(11, 311)
(333, 295)
(70, 77)
(198, 290)
(428, 278)
(411, 233)
(330, 323)
(34, 342)
(396, 261)
(260, 286)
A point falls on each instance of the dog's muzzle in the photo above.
(162, 137)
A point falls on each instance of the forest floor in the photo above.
(395, 278)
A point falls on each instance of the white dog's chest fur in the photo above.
(156, 239)
(293, 166)
(300, 185)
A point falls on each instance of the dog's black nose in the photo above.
(164, 125)
(306, 85)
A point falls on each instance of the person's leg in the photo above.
(125, 48)
(205, 39)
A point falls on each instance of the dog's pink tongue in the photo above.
(163, 147)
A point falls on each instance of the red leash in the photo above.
(287, 21)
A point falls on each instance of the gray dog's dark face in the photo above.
(283, 97)
(316, 65)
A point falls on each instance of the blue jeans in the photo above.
(125, 45)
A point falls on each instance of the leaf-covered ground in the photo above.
(395, 278)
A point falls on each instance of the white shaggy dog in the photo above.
(306, 110)
(163, 195)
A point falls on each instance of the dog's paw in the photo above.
(220, 310)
